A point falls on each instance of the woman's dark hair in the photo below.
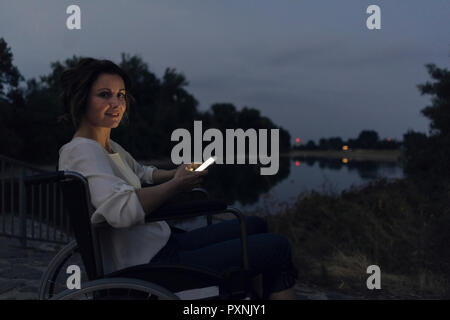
(76, 83)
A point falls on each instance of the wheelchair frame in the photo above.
(234, 285)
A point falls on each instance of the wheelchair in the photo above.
(141, 282)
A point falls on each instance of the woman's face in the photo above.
(106, 102)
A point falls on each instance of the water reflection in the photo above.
(366, 169)
(243, 183)
(243, 186)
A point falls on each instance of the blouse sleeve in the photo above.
(145, 173)
(114, 199)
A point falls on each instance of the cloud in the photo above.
(304, 64)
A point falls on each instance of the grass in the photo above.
(402, 226)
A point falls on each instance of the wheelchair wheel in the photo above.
(54, 283)
(117, 289)
(54, 278)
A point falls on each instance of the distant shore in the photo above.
(355, 154)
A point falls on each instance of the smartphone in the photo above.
(206, 164)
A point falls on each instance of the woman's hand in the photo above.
(193, 166)
(161, 175)
(186, 179)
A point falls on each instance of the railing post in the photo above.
(3, 213)
(22, 206)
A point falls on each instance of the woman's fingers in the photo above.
(193, 166)
(200, 173)
(189, 179)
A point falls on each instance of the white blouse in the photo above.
(113, 179)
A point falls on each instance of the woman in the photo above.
(95, 98)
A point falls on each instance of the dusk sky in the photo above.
(312, 66)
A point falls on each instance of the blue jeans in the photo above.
(218, 247)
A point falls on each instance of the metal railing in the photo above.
(34, 212)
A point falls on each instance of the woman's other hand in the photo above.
(186, 179)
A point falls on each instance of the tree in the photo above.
(429, 156)
(439, 111)
(311, 145)
(367, 139)
(51, 81)
(417, 154)
(323, 144)
(144, 84)
(29, 129)
(249, 118)
(224, 116)
(9, 74)
(336, 143)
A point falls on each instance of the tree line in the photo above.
(29, 129)
(367, 139)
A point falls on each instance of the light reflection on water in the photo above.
(329, 177)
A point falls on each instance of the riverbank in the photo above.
(355, 155)
(401, 226)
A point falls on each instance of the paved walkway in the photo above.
(21, 270)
